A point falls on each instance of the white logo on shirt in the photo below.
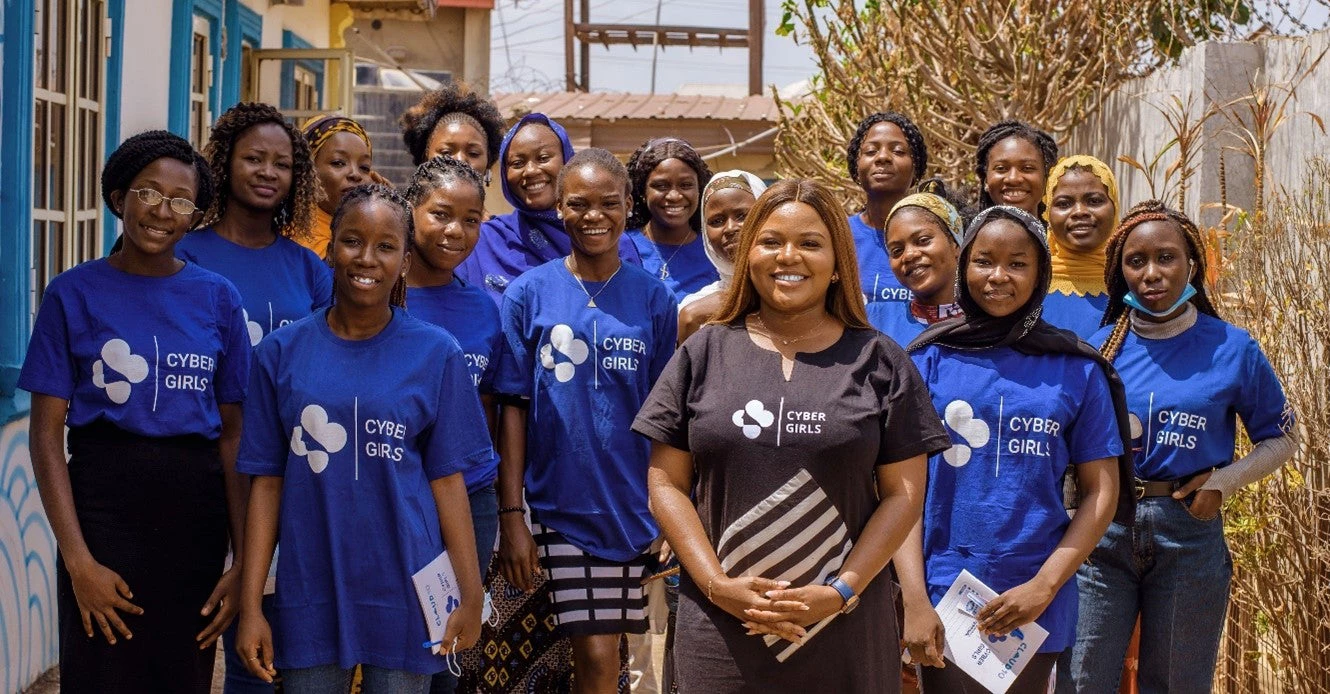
(959, 415)
(758, 413)
(565, 343)
(255, 330)
(117, 355)
(330, 435)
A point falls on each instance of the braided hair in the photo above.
(438, 172)
(918, 149)
(138, 151)
(295, 215)
(370, 192)
(453, 103)
(1047, 146)
(646, 159)
(1117, 313)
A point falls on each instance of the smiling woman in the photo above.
(1082, 206)
(794, 422)
(666, 224)
(886, 156)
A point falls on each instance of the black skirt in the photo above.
(154, 511)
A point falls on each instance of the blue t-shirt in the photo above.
(587, 371)
(467, 313)
(1080, 314)
(689, 268)
(151, 355)
(893, 319)
(357, 429)
(994, 501)
(1184, 395)
(880, 283)
(279, 283)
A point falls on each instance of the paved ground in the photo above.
(49, 683)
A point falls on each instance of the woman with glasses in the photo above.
(144, 358)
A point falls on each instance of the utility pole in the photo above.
(580, 33)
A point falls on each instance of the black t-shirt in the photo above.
(784, 485)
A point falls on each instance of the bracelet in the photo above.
(511, 509)
(711, 581)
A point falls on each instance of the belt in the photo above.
(1150, 488)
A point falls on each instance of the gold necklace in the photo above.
(590, 299)
(665, 262)
(771, 334)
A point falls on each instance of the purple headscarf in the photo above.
(513, 243)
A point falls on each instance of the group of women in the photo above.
(790, 398)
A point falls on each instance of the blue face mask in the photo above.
(1187, 293)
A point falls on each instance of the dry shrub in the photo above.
(1275, 285)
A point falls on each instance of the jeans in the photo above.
(485, 520)
(239, 680)
(1173, 569)
(330, 679)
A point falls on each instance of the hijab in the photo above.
(513, 243)
(734, 178)
(1076, 273)
(1025, 332)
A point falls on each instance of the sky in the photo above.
(526, 52)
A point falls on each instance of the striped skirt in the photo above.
(592, 595)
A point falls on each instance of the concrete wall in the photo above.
(145, 91)
(1130, 121)
(456, 40)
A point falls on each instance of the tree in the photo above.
(957, 66)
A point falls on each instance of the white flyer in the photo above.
(993, 661)
(436, 586)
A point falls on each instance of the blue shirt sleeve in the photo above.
(459, 438)
(49, 366)
(516, 370)
(264, 440)
(321, 287)
(1262, 405)
(497, 350)
(1093, 434)
(232, 373)
(665, 324)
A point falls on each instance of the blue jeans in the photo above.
(238, 678)
(331, 679)
(485, 520)
(1173, 569)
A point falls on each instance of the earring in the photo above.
(835, 277)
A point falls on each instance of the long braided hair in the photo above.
(370, 192)
(296, 213)
(1047, 146)
(1117, 313)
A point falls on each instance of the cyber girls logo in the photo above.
(118, 360)
(754, 418)
(974, 432)
(329, 435)
(1018, 434)
(374, 438)
(563, 353)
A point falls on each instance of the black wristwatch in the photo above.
(846, 593)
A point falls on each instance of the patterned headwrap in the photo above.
(936, 204)
(319, 128)
(1077, 273)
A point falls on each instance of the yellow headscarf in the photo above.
(940, 208)
(317, 131)
(1076, 273)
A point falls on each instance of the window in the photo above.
(200, 81)
(68, 109)
(306, 89)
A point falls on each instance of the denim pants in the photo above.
(1173, 569)
(239, 680)
(332, 679)
(485, 520)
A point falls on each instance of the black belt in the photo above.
(1151, 488)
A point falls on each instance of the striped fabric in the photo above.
(796, 534)
(592, 595)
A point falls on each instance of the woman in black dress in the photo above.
(803, 434)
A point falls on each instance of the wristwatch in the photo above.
(846, 593)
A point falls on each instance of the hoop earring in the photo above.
(282, 218)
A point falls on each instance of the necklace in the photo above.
(665, 266)
(590, 298)
(757, 317)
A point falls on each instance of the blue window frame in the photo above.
(243, 26)
(288, 97)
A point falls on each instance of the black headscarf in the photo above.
(1027, 333)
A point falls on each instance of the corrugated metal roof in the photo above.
(607, 106)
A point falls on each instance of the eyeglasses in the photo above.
(152, 198)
